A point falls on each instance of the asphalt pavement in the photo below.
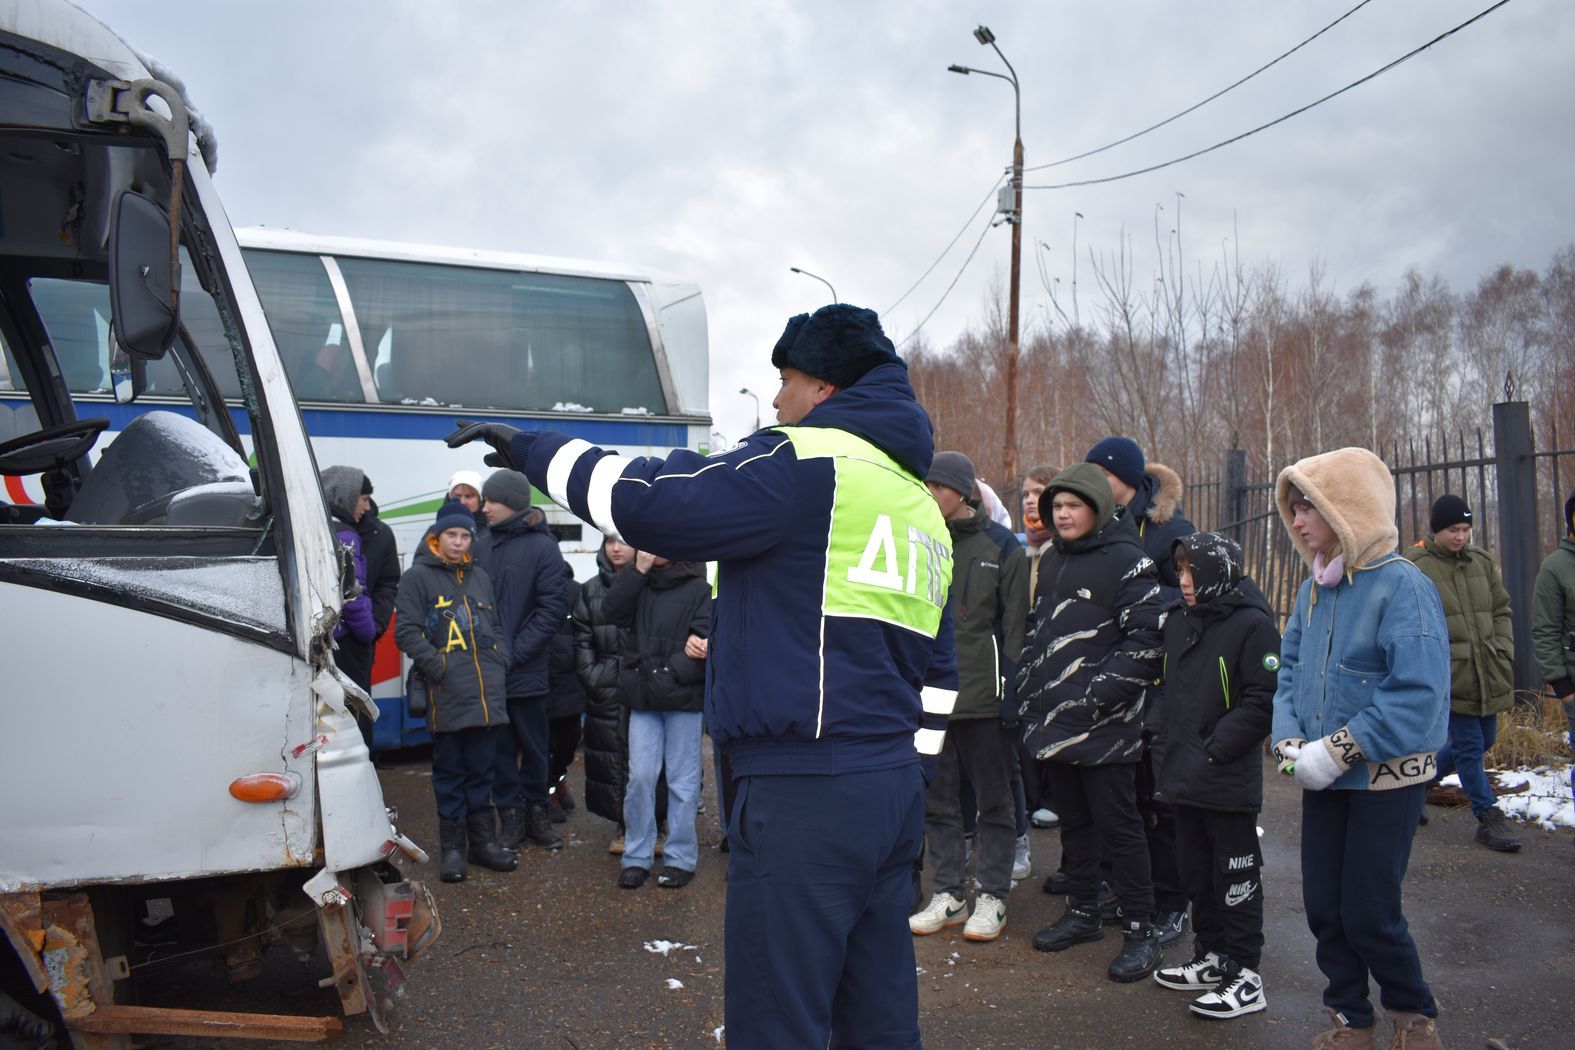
(555, 955)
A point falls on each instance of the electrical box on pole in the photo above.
(1006, 202)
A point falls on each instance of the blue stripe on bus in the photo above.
(425, 425)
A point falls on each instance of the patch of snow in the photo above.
(430, 402)
(660, 947)
(634, 411)
(717, 1031)
(674, 983)
(571, 406)
(198, 444)
(1547, 801)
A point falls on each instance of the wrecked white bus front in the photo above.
(179, 741)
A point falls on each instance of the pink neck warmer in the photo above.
(1328, 574)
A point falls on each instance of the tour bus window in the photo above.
(306, 324)
(502, 339)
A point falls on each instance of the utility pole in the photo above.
(1014, 215)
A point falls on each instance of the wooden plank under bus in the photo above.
(217, 1024)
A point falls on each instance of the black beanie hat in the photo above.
(454, 515)
(1449, 509)
(1122, 456)
(508, 487)
(837, 343)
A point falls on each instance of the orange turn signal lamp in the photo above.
(265, 787)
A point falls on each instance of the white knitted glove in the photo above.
(1316, 767)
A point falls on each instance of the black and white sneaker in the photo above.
(1240, 992)
(1201, 973)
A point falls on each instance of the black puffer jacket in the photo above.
(1221, 664)
(565, 694)
(1093, 644)
(598, 645)
(662, 608)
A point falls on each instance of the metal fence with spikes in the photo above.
(1516, 491)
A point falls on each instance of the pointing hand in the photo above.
(504, 440)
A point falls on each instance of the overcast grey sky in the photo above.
(727, 141)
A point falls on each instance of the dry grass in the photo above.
(1531, 733)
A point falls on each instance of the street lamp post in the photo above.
(1009, 452)
(819, 278)
(751, 393)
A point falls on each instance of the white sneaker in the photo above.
(942, 911)
(1045, 818)
(1240, 992)
(1022, 862)
(1201, 973)
(987, 920)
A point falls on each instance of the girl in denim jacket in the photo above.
(1361, 707)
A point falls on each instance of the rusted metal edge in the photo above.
(154, 1020)
(22, 919)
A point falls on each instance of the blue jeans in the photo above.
(656, 737)
(1469, 739)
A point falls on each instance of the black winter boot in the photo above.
(1079, 925)
(1140, 953)
(484, 848)
(538, 828)
(511, 824)
(1494, 833)
(451, 840)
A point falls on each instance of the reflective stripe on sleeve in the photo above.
(938, 701)
(562, 463)
(929, 741)
(598, 492)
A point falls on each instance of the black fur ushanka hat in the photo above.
(837, 343)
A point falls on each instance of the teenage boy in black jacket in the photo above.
(1222, 654)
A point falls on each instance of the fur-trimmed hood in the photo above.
(1355, 493)
(1163, 488)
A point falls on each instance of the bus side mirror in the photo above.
(142, 276)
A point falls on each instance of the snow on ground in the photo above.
(661, 947)
(1546, 802)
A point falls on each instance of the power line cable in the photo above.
(1279, 120)
(988, 227)
(1211, 98)
(948, 248)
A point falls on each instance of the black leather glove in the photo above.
(503, 439)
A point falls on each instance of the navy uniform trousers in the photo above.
(818, 947)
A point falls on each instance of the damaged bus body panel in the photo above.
(182, 745)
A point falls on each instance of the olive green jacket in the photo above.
(1481, 638)
(1553, 618)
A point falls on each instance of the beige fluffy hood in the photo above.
(1354, 492)
(1167, 493)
